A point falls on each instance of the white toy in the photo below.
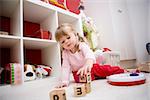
(40, 72)
(29, 74)
(126, 79)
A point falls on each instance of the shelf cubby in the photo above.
(10, 17)
(37, 14)
(48, 51)
(13, 46)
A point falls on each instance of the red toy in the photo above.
(106, 49)
(126, 79)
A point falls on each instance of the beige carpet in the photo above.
(101, 90)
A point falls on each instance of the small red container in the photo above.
(43, 34)
(33, 30)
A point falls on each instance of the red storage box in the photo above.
(29, 28)
(4, 24)
(43, 34)
(33, 30)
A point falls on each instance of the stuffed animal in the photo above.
(43, 71)
(29, 73)
(89, 29)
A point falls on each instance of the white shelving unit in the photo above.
(49, 17)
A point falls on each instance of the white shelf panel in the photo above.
(33, 43)
(51, 7)
(8, 41)
(10, 36)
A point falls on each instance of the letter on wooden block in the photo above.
(88, 87)
(79, 90)
(82, 79)
(58, 94)
(88, 77)
(85, 78)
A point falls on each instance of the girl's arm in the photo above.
(65, 71)
(89, 59)
(86, 68)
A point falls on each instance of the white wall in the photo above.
(138, 11)
(122, 24)
(122, 29)
(99, 11)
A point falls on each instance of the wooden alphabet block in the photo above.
(85, 78)
(58, 94)
(79, 90)
(88, 87)
(82, 79)
(88, 77)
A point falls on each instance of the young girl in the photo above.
(78, 58)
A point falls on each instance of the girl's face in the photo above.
(68, 41)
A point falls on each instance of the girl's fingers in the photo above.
(85, 70)
(82, 72)
(78, 72)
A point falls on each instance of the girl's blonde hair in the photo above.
(64, 29)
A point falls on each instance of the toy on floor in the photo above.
(29, 73)
(84, 87)
(42, 71)
(79, 90)
(126, 79)
(58, 94)
(85, 78)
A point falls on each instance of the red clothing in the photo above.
(100, 71)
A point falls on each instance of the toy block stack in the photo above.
(58, 94)
(83, 89)
(79, 90)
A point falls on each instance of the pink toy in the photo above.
(126, 79)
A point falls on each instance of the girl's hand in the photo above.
(86, 68)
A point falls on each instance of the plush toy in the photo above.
(43, 71)
(89, 29)
(29, 73)
(40, 72)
